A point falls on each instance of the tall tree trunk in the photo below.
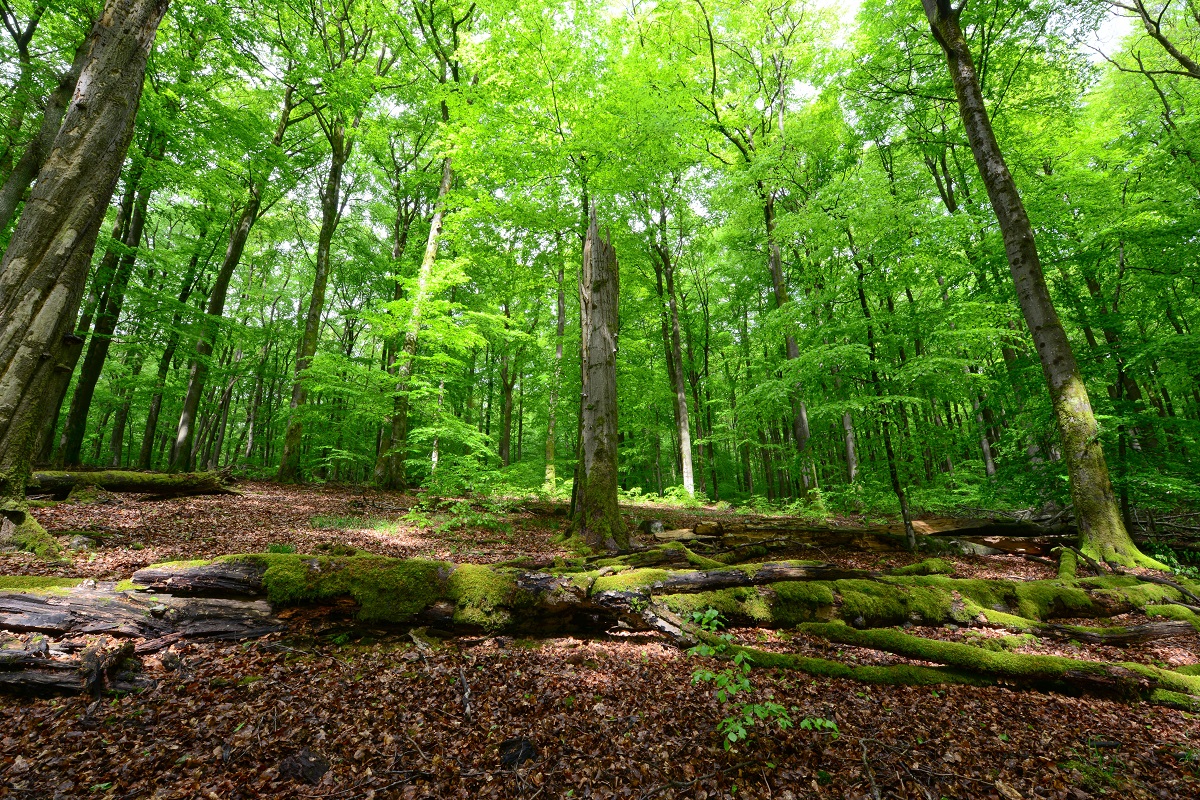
(106, 323)
(597, 519)
(44, 271)
(397, 479)
(556, 378)
(884, 417)
(800, 428)
(1101, 531)
(666, 291)
(331, 212)
(146, 454)
(198, 369)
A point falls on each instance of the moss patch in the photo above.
(482, 596)
(387, 589)
(37, 584)
(1008, 666)
(930, 566)
(26, 534)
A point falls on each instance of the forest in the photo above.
(746, 371)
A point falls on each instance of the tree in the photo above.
(44, 268)
(597, 520)
(1101, 528)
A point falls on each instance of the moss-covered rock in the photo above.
(20, 530)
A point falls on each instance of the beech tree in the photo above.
(45, 266)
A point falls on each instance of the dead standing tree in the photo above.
(597, 519)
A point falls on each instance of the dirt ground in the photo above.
(330, 709)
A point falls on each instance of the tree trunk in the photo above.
(396, 477)
(44, 271)
(666, 291)
(106, 321)
(597, 520)
(331, 212)
(1101, 530)
(198, 370)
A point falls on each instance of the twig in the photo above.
(869, 771)
(685, 784)
(466, 691)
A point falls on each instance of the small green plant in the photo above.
(281, 548)
(734, 681)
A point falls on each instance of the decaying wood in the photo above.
(1120, 637)
(60, 484)
(134, 614)
(36, 673)
(712, 580)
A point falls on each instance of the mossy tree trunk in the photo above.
(1101, 529)
(597, 519)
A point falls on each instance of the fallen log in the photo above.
(159, 484)
(1119, 637)
(179, 600)
(134, 614)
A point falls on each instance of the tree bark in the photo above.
(665, 271)
(44, 270)
(597, 519)
(1101, 530)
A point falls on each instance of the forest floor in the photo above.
(329, 709)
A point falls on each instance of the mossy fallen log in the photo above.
(506, 598)
(1123, 679)
(160, 484)
(209, 599)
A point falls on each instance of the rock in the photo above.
(515, 751)
(651, 527)
(78, 542)
(304, 766)
(677, 535)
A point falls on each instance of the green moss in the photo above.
(195, 562)
(37, 584)
(1046, 599)
(885, 603)
(126, 586)
(930, 566)
(1011, 666)
(1174, 612)
(42, 503)
(999, 643)
(745, 604)
(1068, 563)
(386, 589)
(801, 601)
(1190, 669)
(482, 596)
(629, 580)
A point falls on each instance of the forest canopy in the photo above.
(345, 245)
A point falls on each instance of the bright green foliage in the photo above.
(28, 583)
(767, 152)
